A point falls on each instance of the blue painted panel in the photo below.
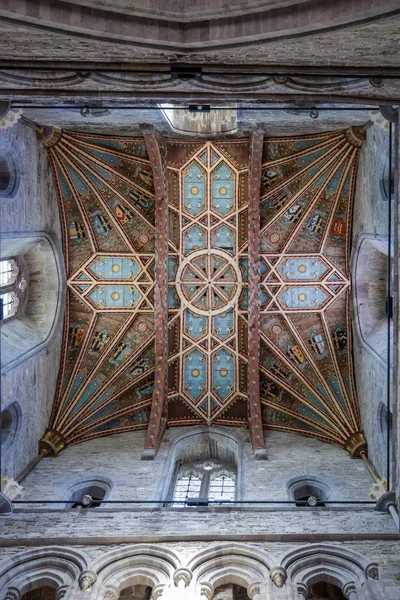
(115, 296)
(173, 298)
(195, 325)
(303, 297)
(194, 199)
(115, 267)
(195, 238)
(223, 238)
(172, 267)
(223, 190)
(223, 373)
(81, 187)
(303, 268)
(195, 374)
(223, 325)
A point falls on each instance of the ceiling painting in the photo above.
(208, 282)
(107, 203)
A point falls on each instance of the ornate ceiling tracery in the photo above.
(114, 260)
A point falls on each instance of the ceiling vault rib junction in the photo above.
(207, 283)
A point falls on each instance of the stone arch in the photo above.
(11, 417)
(322, 562)
(10, 175)
(33, 327)
(53, 566)
(144, 564)
(370, 275)
(74, 489)
(201, 442)
(230, 563)
(311, 485)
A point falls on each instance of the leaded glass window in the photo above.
(8, 272)
(9, 301)
(205, 480)
(187, 486)
(221, 488)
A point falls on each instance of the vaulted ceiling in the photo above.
(208, 283)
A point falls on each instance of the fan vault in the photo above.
(237, 253)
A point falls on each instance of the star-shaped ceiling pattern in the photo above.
(107, 204)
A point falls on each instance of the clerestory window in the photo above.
(203, 481)
(11, 285)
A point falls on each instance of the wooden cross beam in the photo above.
(156, 149)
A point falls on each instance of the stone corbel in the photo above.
(278, 576)
(86, 580)
(182, 577)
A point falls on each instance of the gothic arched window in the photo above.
(11, 287)
(203, 481)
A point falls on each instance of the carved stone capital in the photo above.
(86, 580)
(157, 592)
(350, 591)
(62, 592)
(111, 593)
(278, 576)
(302, 591)
(184, 575)
(206, 591)
(254, 591)
(12, 594)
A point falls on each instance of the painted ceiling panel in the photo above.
(106, 194)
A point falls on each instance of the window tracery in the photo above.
(11, 282)
(206, 480)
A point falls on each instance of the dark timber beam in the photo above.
(255, 420)
(156, 149)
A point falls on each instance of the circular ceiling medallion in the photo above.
(209, 282)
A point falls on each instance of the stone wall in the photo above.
(31, 383)
(371, 219)
(117, 459)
